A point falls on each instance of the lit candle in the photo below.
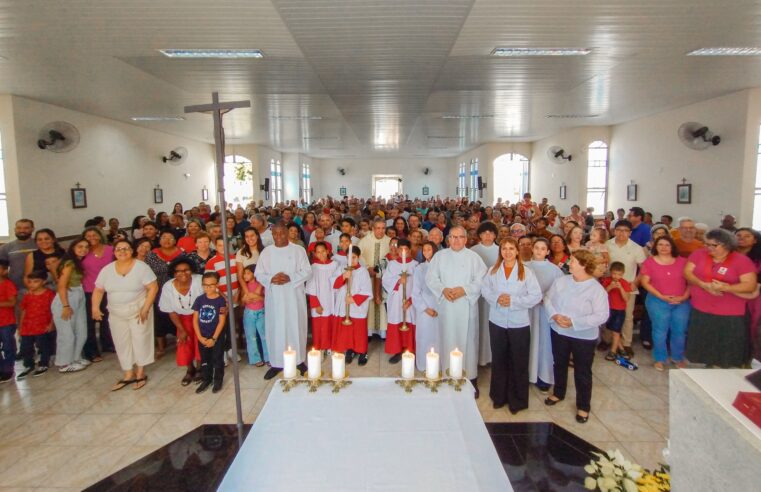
(404, 260)
(455, 364)
(432, 365)
(314, 364)
(408, 365)
(339, 366)
(349, 262)
(289, 363)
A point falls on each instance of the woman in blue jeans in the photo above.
(662, 276)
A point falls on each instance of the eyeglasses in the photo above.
(123, 250)
(209, 285)
(184, 270)
(712, 245)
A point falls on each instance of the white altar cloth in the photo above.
(372, 436)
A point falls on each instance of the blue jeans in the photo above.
(253, 324)
(669, 323)
(7, 348)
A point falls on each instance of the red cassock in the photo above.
(353, 336)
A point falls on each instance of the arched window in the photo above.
(462, 185)
(276, 181)
(597, 176)
(239, 180)
(306, 183)
(473, 190)
(510, 177)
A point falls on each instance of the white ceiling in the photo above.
(380, 74)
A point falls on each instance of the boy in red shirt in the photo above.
(8, 295)
(36, 322)
(618, 291)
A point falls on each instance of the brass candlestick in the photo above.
(340, 383)
(289, 383)
(407, 384)
(456, 382)
(313, 384)
(433, 384)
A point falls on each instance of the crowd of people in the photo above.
(518, 287)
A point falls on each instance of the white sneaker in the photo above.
(83, 362)
(73, 367)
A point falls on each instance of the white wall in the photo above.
(648, 152)
(359, 172)
(119, 164)
(10, 163)
(547, 177)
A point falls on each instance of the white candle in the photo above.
(339, 366)
(349, 262)
(455, 364)
(314, 364)
(432, 365)
(408, 365)
(289, 363)
(404, 260)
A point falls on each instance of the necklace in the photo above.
(180, 299)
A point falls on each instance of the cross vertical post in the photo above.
(218, 109)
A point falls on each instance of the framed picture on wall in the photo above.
(158, 195)
(631, 192)
(684, 193)
(78, 198)
(426, 191)
(563, 192)
(342, 191)
(204, 194)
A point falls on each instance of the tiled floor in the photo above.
(65, 432)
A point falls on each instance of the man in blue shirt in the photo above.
(640, 230)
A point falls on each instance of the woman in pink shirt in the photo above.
(100, 255)
(662, 276)
(721, 280)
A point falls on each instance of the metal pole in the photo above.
(219, 140)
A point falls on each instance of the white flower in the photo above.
(590, 468)
(630, 486)
(590, 483)
(618, 458)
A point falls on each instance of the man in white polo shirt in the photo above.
(631, 254)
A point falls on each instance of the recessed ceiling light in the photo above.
(157, 118)
(572, 116)
(246, 53)
(320, 138)
(466, 116)
(282, 117)
(540, 51)
(440, 137)
(736, 51)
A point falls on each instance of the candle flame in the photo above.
(432, 351)
(289, 348)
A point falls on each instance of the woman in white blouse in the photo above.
(577, 305)
(177, 298)
(131, 287)
(511, 290)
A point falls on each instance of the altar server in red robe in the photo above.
(319, 291)
(399, 301)
(351, 338)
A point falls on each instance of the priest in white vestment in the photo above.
(455, 276)
(489, 252)
(283, 269)
(374, 247)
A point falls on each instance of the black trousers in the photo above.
(583, 354)
(91, 348)
(509, 367)
(213, 360)
(27, 349)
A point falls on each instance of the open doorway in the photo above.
(387, 185)
(239, 181)
(510, 177)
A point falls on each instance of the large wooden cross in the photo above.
(217, 109)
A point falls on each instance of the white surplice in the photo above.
(360, 285)
(285, 307)
(540, 359)
(427, 330)
(394, 302)
(489, 255)
(459, 319)
(321, 287)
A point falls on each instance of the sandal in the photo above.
(121, 384)
(259, 364)
(140, 382)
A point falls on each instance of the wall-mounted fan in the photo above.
(177, 156)
(557, 155)
(427, 171)
(58, 136)
(697, 136)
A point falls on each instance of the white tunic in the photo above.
(172, 301)
(426, 327)
(586, 303)
(459, 319)
(321, 287)
(489, 255)
(540, 361)
(360, 285)
(394, 301)
(524, 295)
(285, 318)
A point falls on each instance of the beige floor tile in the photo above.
(226, 401)
(36, 430)
(46, 460)
(83, 430)
(657, 419)
(504, 415)
(132, 454)
(86, 465)
(639, 398)
(627, 425)
(169, 427)
(114, 401)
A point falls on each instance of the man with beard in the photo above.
(15, 251)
